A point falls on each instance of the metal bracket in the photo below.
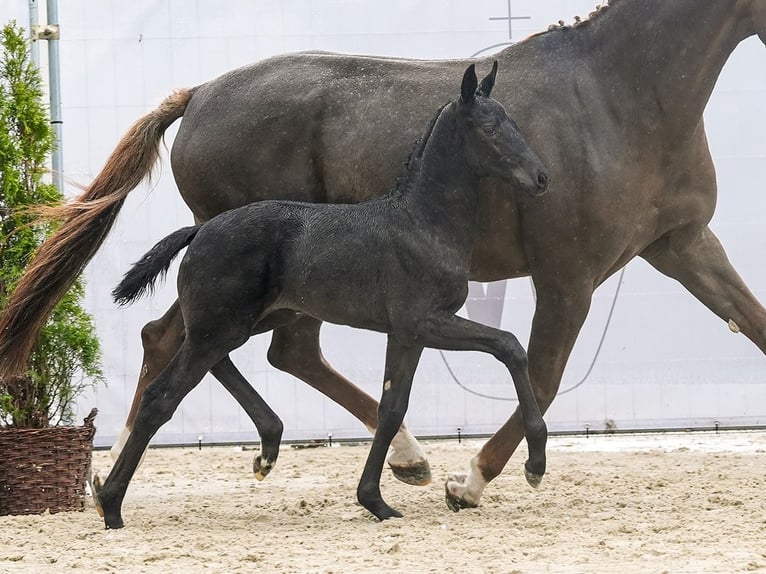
(45, 32)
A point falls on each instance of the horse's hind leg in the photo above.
(157, 406)
(295, 349)
(161, 340)
(266, 421)
(697, 260)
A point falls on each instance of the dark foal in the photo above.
(398, 264)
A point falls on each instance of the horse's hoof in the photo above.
(455, 503)
(95, 487)
(453, 486)
(262, 467)
(416, 473)
(533, 479)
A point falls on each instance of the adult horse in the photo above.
(613, 105)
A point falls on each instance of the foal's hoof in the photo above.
(533, 479)
(262, 467)
(113, 523)
(415, 473)
(455, 493)
(383, 511)
(112, 518)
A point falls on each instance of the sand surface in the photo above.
(690, 502)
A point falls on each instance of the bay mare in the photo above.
(613, 106)
(396, 264)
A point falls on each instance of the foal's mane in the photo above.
(412, 165)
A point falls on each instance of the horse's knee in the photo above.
(391, 417)
(165, 333)
(151, 334)
(278, 357)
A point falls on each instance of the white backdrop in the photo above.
(665, 361)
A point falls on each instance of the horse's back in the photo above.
(306, 127)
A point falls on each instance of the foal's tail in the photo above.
(154, 264)
(86, 223)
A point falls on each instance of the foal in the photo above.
(397, 264)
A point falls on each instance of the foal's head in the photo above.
(494, 146)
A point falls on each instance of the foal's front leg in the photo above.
(401, 362)
(452, 333)
(295, 349)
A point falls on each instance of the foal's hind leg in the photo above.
(295, 349)
(157, 406)
(266, 421)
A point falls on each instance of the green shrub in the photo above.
(66, 358)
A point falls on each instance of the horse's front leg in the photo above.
(696, 259)
(401, 362)
(295, 349)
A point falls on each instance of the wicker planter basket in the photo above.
(45, 469)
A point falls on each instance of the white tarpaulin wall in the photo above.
(662, 360)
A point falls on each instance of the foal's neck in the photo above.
(443, 190)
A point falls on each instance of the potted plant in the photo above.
(44, 461)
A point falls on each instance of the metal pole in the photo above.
(55, 94)
(35, 47)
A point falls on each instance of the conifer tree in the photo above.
(66, 358)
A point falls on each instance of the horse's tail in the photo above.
(86, 223)
(144, 273)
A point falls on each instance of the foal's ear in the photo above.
(468, 88)
(485, 89)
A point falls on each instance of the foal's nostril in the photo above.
(542, 180)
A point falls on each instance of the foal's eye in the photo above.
(489, 130)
